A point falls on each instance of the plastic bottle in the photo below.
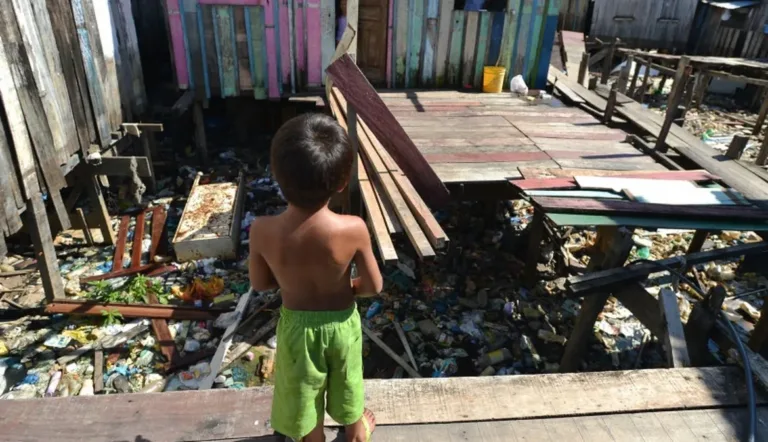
(494, 357)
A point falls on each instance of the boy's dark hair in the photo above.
(311, 159)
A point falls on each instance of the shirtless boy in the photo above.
(307, 251)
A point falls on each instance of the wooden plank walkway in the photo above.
(472, 137)
(448, 405)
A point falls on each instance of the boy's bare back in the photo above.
(308, 255)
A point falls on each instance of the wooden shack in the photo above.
(730, 29)
(70, 76)
(228, 48)
(644, 24)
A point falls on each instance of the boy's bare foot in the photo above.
(361, 430)
(317, 434)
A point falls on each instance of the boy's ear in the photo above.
(343, 187)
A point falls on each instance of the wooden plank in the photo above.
(10, 194)
(483, 36)
(210, 59)
(509, 42)
(92, 68)
(589, 96)
(410, 370)
(122, 236)
(490, 157)
(163, 335)
(445, 19)
(120, 166)
(678, 89)
(313, 37)
(544, 396)
(685, 175)
(415, 38)
(138, 238)
(300, 51)
(225, 49)
(359, 93)
(150, 311)
(99, 26)
(221, 351)
(525, 22)
(454, 55)
(483, 172)
(254, 19)
(674, 337)
(401, 41)
(470, 47)
(430, 45)
(29, 96)
(284, 27)
(411, 227)
(194, 42)
(534, 41)
(387, 211)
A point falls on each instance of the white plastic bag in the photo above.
(517, 85)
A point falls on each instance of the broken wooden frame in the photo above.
(152, 311)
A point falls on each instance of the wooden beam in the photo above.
(98, 371)
(163, 336)
(391, 353)
(737, 146)
(674, 336)
(138, 239)
(640, 93)
(681, 79)
(740, 78)
(701, 323)
(632, 84)
(624, 75)
(99, 207)
(644, 306)
(614, 247)
(86, 231)
(698, 240)
(759, 336)
(660, 157)
(152, 311)
(608, 63)
(610, 105)
(360, 94)
(147, 140)
(702, 86)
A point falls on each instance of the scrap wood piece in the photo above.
(98, 371)
(391, 353)
(151, 269)
(163, 335)
(674, 336)
(611, 207)
(563, 88)
(686, 175)
(404, 340)
(581, 285)
(221, 351)
(390, 218)
(159, 216)
(359, 92)
(138, 239)
(242, 348)
(375, 218)
(589, 96)
(122, 238)
(156, 311)
(382, 162)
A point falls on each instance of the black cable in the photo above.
(751, 403)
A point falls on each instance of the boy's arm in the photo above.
(258, 271)
(369, 280)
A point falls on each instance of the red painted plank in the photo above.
(545, 183)
(138, 237)
(489, 157)
(538, 131)
(613, 207)
(567, 154)
(570, 183)
(122, 237)
(501, 141)
(348, 78)
(159, 216)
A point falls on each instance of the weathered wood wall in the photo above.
(573, 15)
(644, 24)
(741, 35)
(69, 75)
(226, 48)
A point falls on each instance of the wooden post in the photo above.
(592, 83)
(624, 75)
(100, 208)
(681, 79)
(700, 324)
(761, 116)
(610, 105)
(534, 247)
(37, 223)
(584, 69)
(737, 146)
(646, 79)
(703, 85)
(759, 335)
(691, 87)
(608, 63)
(762, 156)
(615, 245)
(697, 242)
(86, 230)
(633, 83)
(662, 83)
(674, 336)
(354, 185)
(200, 142)
(146, 144)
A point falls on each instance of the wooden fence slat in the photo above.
(401, 41)
(524, 26)
(470, 47)
(243, 56)
(496, 39)
(314, 37)
(176, 33)
(209, 56)
(328, 31)
(138, 93)
(193, 41)
(390, 41)
(225, 49)
(445, 19)
(430, 45)
(10, 195)
(547, 40)
(457, 39)
(483, 37)
(415, 34)
(284, 30)
(63, 26)
(119, 56)
(272, 41)
(254, 24)
(509, 35)
(300, 54)
(534, 41)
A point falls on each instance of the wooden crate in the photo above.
(210, 224)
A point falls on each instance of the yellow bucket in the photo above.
(493, 79)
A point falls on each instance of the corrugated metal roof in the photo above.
(731, 4)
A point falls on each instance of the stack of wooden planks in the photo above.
(392, 205)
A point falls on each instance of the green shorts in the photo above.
(317, 352)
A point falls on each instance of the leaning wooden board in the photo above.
(230, 414)
(210, 223)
